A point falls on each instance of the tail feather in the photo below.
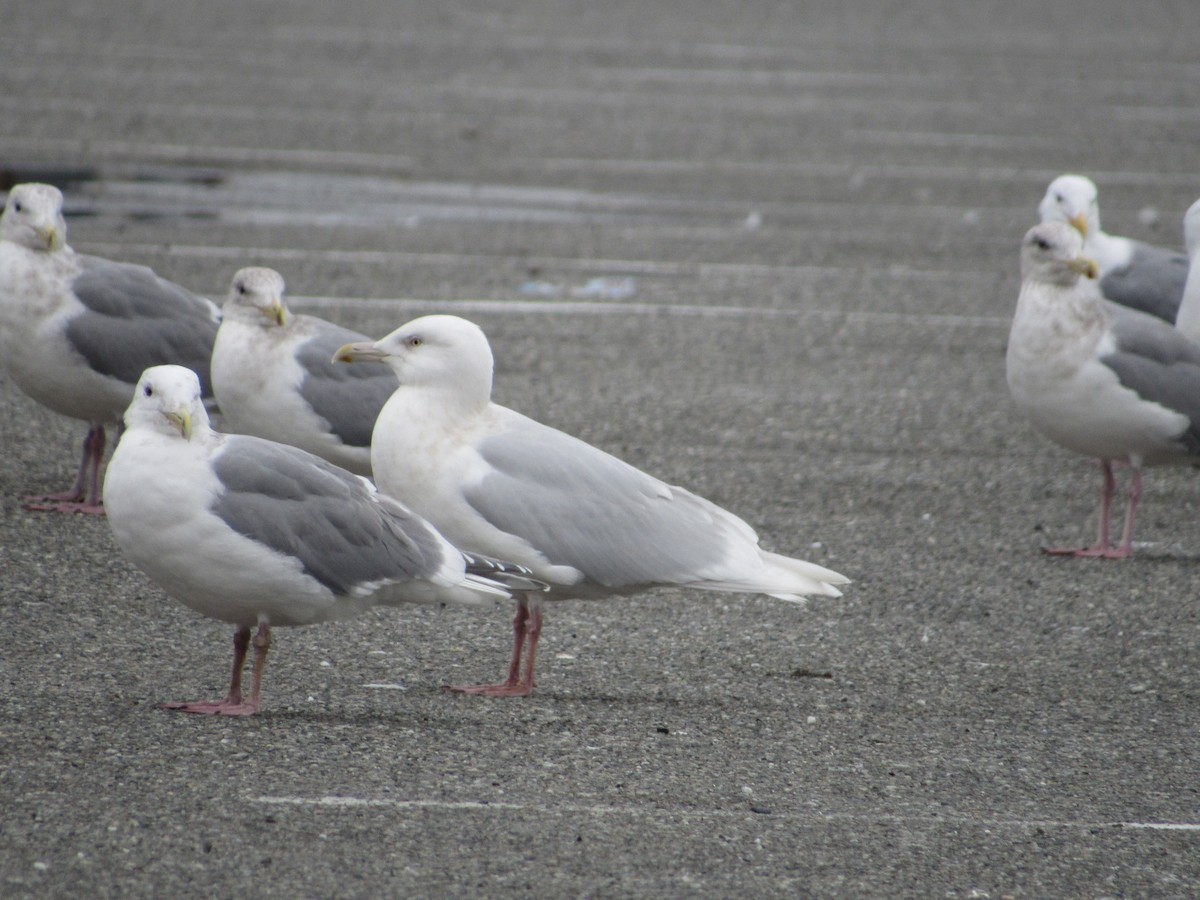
(785, 578)
(485, 580)
(508, 578)
(823, 579)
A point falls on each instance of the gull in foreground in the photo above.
(261, 534)
(76, 331)
(1131, 273)
(1105, 381)
(585, 522)
(273, 377)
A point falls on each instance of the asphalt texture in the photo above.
(767, 251)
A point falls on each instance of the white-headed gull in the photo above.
(261, 534)
(585, 522)
(1129, 272)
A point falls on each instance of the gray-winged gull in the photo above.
(273, 375)
(1099, 379)
(1131, 273)
(583, 521)
(1188, 320)
(77, 331)
(257, 533)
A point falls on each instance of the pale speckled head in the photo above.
(33, 217)
(1052, 252)
(257, 291)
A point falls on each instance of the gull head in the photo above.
(167, 400)
(256, 296)
(1052, 253)
(441, 352)
(1072, 199)
(33, 217)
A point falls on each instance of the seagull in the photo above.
(1131, 273)
(273, 376)
(261, 534)
(586, 523)
(76, 331)
(1099, 379)
(1188, 320)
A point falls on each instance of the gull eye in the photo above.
(17, 206)
(148, 391)
(415, 341)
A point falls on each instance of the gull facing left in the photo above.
(273, 376)
(1129, 272)
(77, 331)
(261, 534)
(1104, 381)
(586, 523)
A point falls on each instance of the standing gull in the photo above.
(1188, 320)
(1131, 273)
(581, 520)
(256, 533)
(76, 331)
(1099, 379)
(273, 376)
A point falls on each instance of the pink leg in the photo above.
(533, 632)
(1125, 548)
(84, 496)
(233, 704)
(527, 627)
(1101, 548)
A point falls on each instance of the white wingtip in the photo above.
(798, 578)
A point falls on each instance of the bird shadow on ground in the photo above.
(1141, 555)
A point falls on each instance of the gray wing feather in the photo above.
(1144, 335)
(349, 398)
(584, 508)
(342, 533)
(1152, 281)
(134, 320)
(1161, 365)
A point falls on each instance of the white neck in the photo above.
(1108, 251)
(1188, 318)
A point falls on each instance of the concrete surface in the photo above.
(806, 219)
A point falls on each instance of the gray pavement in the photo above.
(806, 224)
